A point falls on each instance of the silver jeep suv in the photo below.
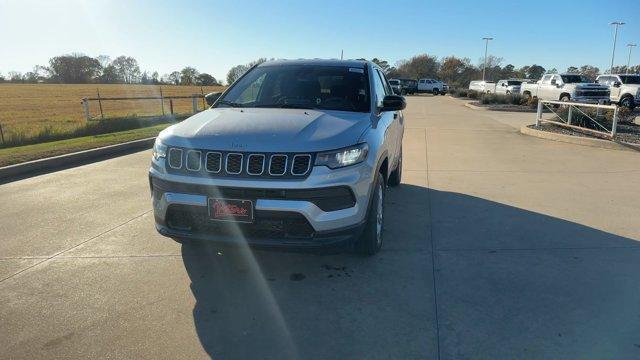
(296, 154)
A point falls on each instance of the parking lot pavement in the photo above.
(498, 246)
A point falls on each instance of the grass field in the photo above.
(27, 111)
(18, 154)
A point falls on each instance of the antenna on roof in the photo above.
(341, 53)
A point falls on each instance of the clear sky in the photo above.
(213, 36)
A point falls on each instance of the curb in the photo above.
(471, 106)
(578, 140)
(72, 158)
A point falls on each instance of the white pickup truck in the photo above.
(432, 86)
(625, 89)
(566, 87)
(506, 87)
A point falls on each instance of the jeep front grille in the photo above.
(235, 164)
(278, 165)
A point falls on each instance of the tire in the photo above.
(396, 175)
(436, 91)
(370, 241)
(565, 98)
(628, 102)
(182, 241)
(527, 95)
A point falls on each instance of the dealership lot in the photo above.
(498, 245)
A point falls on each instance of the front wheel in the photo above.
(436, 91)
(628, 102)
(371, 240)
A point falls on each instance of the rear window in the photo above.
(301, 86)
(513, 82)
(394, 82)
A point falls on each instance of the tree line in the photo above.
(82, 69)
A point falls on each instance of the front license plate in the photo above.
(231, 210)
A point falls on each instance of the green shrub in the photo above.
(471, 94)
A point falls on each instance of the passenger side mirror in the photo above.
(212, 97)
(393, 103)
(617, 84)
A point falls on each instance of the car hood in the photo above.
(268, 130)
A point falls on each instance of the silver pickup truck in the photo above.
(625, 89)
(296, 153)
(566, 87)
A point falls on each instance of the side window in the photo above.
(546, 79)
(379, 88)
(422, 81)
(387, 87)
(558, 79)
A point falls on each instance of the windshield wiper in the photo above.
(230, 103)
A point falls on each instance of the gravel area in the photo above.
(507, 107)
(627, 133)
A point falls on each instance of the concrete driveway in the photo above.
(498, 246)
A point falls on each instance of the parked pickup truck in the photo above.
(504, 87)
(409, 86)
(295, 154)
(481, 86)
(566, 87)
(432, 86)
(625, 89)
(396, 86)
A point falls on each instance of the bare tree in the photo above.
(174, 78)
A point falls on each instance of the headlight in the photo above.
(343, 157)
(159, 150)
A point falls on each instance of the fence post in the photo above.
(171, 106)
(100, 103)
(1, 134)
(161, 101)
(203, 103)
(85, 105)
(615, 122)
(194, 101)
(570, 114)
(539, 113)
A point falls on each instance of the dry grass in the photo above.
(27, 110)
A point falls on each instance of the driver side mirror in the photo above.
(212, 97)
(554, 82)
(393, 103)
(617, 84)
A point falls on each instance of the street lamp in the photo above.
(486, 45)
(630, 46)
(615, 38)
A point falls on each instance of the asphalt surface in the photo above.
(498, 246)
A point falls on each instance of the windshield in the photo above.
(570, 79)
(301, 86)
(630, 79)
(514, 82)
(394, 82)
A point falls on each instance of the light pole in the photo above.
(615, 38)
(630, 46)
(486, 46)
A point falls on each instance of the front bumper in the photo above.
(591, 100)
(285, 213)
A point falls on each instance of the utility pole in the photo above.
(486, 46)
(341, 53)
(615, 39)
(630, 46)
